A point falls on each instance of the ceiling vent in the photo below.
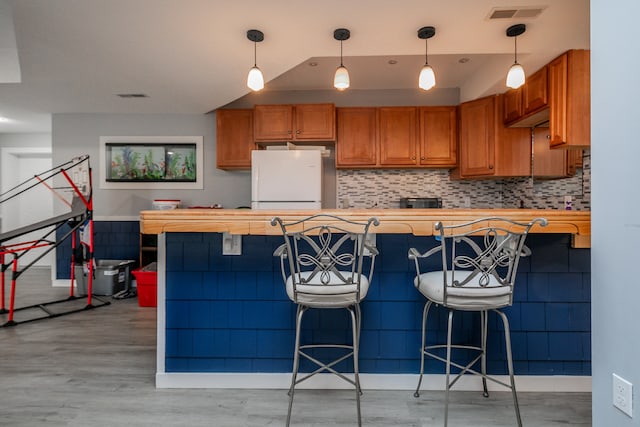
(516, 12)
(132, 95)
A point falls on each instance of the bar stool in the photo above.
(326, 263)
(479, 265)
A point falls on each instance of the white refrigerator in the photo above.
(286, 179)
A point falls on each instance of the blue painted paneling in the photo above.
(112, 240)
(236, 316)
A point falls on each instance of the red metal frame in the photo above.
(74, 219)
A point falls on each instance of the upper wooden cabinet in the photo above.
(234, 138)
(526, 106)
(486, 147)
(477, 135)
(398, 136)
(558, 93)
(549, 163)
(534, 92)
(301, 122)
(438, 136)
(357, 137)
(569, 100)
(512, 110)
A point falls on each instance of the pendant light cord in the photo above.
(255, 54)
(515, 49)
(341, 54)
(426, 51)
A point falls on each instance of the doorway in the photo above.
(18, 165)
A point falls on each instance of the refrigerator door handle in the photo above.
(255, 179)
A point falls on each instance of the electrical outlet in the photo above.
(568, 203)
(231, 244)
(623, 395)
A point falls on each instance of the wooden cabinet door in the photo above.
(550, 163)
(558, 101)
(273, 122)
(512, 147)
(569, 100)
(535, 91)
(477, 133)
(574, 161)
(398, 129)
(357, 137)
(315, 122)
(234, 138)
(547, 163)
(438, 136)
(512, 105)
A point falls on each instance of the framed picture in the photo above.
(167, 162)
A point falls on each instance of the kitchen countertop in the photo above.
(419, 222)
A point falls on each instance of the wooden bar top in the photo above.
(419, 222)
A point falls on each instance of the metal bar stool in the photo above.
(478, 271)
(327, 263)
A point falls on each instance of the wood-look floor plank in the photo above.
(96, 368)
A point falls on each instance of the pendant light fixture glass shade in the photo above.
(515, 76)
(341, 79)
(255, 79)
(427, 78)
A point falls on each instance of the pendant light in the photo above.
(255, 80)
(515, 76)
(427, 78)
(341, 78)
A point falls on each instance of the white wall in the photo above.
(25, 140)
(78, 134)
(615, 205)
(16, 140)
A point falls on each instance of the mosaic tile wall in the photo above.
(384, 188)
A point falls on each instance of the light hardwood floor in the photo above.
(96, 368)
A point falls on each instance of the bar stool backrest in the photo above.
(324, 256)
(482, 254)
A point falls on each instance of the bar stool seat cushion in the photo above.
(470, 296)
(331, 293)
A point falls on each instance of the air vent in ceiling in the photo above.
(516, 12)
(132, 95)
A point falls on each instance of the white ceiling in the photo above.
(192, 56)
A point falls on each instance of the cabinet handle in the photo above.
(422, 158)
(490, 166)
(413, 158)
(297, 132)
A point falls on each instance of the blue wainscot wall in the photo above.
(231, 313)
(112, 240)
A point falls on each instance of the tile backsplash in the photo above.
(384, 188)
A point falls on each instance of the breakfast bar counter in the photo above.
(226, 321)
(419, 222)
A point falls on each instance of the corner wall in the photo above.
(615, 219)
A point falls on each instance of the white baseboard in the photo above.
(524, 383)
